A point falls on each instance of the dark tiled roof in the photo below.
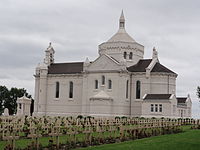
(65, 68)
(160, 68)
(157, 97)
(140, 66)
(181, 99)
(144, 63)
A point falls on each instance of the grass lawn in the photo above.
(188, 140)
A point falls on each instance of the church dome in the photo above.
(121, 35)
(122, 46)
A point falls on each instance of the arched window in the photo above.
(127, 82)
(51, 58)
(138, 86)
(103, 80)
(109, 84)
(57, 89)
(125, 55)
(20, 106)
(131, 55)
(96, 84)
(71, 87)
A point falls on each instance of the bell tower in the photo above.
(49, 55)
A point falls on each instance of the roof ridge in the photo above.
(68, 62)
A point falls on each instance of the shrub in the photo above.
(79, 117)
(117, 117)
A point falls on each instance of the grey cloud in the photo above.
(4, 76)
(76, 28)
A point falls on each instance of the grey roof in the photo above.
(65, 68)
(144, 63)
(181, 100)
(140, 66)
(160, 68)
(157, 96)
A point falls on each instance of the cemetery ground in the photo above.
(187, 140)
(30, 133)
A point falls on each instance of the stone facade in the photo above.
(118, 83)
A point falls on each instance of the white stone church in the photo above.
(120, 82)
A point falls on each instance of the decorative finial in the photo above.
(122, 20)
(155, 53)
(122, 15)
(49, 45)
(87, 60)
(86, 64)
(49, 58)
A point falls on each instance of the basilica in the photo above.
(120, 82)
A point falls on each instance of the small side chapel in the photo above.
(120, 82)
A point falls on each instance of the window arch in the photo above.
(131, 55)
(20, 106)
(96, 84)
(125, 55)
(57, 89)
(127, 82)
(138, 89)
(71, 89)
(109, 84)
(51, 58)
(103, 80)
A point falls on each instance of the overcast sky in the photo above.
(77, 27)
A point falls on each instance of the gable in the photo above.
(104, 63)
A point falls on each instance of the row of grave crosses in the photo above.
(36, 127)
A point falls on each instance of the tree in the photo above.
(4, 92)
(8, 98)
(11, 102)
(198, 92)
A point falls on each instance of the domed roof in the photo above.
(121, 35)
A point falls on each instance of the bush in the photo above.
(79, 117)
(117, 117)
